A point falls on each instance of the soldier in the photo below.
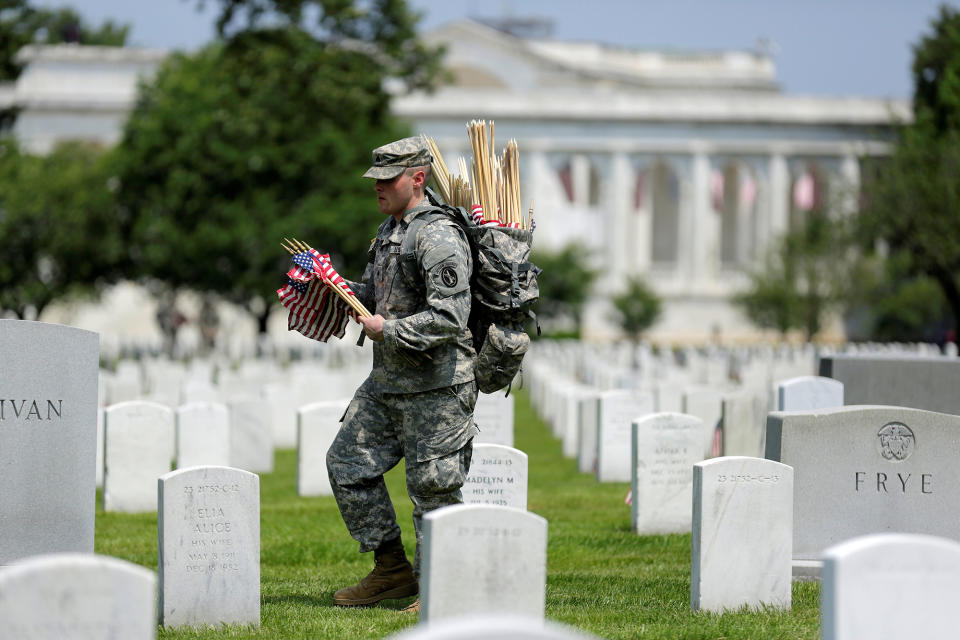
(418, 401)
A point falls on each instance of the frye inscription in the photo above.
(899, 482)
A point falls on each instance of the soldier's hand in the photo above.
(373, 327)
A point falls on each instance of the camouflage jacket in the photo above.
(426, 343)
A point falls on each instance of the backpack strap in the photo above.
(409, 266)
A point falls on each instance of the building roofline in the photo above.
(732, 107)
(88, 53)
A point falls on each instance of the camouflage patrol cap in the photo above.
(390, 160)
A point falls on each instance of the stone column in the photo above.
(779, 197)
(850, 187)
(620, 244)
(695, 235)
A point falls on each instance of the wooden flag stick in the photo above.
(351, 300)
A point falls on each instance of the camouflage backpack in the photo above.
(503, 286)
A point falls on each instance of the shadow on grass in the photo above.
(325, 600)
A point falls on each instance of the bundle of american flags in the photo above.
(318, 300)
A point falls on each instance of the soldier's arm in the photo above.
(445, 266)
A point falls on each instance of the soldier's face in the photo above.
(394, 195)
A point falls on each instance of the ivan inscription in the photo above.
(27, 410)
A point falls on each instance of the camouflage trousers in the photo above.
(432, 431)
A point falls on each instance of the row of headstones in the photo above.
(281, 391)
(862, 471)
(594, 426)
(208, 574)
(209, 565)
(209, 570)
(141, 439)
(741, 549)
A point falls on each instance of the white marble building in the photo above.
(679, 166)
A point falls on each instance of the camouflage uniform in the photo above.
(417, 404)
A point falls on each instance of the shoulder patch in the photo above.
(448, 276)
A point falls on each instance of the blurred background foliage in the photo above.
(892, 268)
(565, 284)
(265, 133)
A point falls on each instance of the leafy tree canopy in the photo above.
(59, 226)
(936, 74)
(637, 308)
(912, 197)
(565, 284)
(246, 142)
(802, 276)
(383, 29)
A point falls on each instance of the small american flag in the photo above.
(716, 443)
(314, 310)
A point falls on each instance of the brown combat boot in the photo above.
(392, 577)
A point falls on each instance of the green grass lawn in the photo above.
(601, 577)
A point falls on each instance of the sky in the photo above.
(820, 47)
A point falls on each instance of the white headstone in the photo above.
(209, 535)
(569, 417)
(251, 436)
(587, 450)
(707, 404)
(494, 417)
(317, 426)
(809, 392)
(138, 449)
(482, 559)
(865, 469)
(890, 586)
(498, 476)
(742, 534)
(198, 390)
(125, 385)
(665, 448)
(669, 396)
(743, 420)
(283, 414)
(77, 595)
(203, 435)
(48, 435)
(101, 404)
(615, 414)
(493, 626)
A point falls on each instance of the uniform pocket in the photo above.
(500, 357)
(445, 442)
(446, 423)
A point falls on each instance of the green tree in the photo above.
(248, 141)
(58, 224)
(565, 285)
(385, 30)
(912, 204)
(895, 305)
(801, 277)
(637, 308)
